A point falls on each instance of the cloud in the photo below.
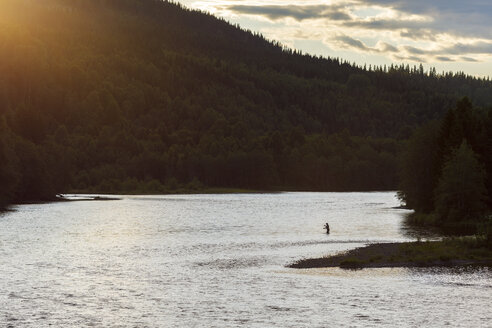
(471, 18)
(377, 24)
(411, 58)
(381, 47)
(443, 53)
(444, 58)
(388, 48)
(418, 34)
(348, 41)
(416, 30)
(414, 50)
(297, 12)
(470, 48)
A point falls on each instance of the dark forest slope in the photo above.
(129, 96)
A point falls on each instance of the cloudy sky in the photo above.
(447, 34)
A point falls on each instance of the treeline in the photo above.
(446, 170)
(113, 162)
(145, 96)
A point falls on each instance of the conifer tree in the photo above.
(419, 169)
(461, 193)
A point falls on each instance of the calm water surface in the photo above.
(219, 261)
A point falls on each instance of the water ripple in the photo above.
(218, 261)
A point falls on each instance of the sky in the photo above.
(450, 35)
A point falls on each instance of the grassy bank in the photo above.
(449, 252)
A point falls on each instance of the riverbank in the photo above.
(65, 198)
(179, 191)
(448, 252)
(83, 195)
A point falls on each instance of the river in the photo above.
(219, 261)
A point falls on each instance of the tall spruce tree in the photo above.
(461, 194)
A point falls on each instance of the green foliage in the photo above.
(419, 169)
(128, 96)
(8, 174)
(449, 249)
(446, 170)
(422, 219)
(461, 193)
(485, 230)
(36, 179)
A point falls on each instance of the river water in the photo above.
(219, 261)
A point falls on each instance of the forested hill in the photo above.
(145, 96)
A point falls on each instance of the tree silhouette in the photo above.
(461, 194)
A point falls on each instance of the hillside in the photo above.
(146, 96)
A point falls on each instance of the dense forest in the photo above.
(147, 96)
(446, 171)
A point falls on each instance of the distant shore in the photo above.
(452, 252)
(90, 195)
(179, 191)
(65, 198)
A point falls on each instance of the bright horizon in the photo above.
(449, 35)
